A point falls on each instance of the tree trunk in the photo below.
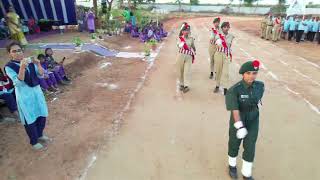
(95, 7)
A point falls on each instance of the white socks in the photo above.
(246, 168)
(232, 161)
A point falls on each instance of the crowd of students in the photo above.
(23, 86)
(300, 28)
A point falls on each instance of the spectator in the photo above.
(90, 21)
(56, 68)
(31, 102)
(13, 21)
(7, 94)
(4, 31)
(48, 82)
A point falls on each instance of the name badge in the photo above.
(244, 96)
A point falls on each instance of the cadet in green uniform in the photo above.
(242, 100)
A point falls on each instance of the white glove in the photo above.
(241, 130)
(180, 45)
(242, 133)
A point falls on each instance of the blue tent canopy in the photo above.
(58, 10)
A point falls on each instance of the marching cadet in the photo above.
(264, 27)
(242, 100)
(223, 57)
(276, 29)
(212, 47)
(186, 57)
(269, 27)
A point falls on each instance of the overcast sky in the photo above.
(212, 1)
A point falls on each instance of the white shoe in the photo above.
(38, 146)
(45, 138)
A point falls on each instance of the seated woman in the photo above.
(162, 31)
(7, 94)
(33, 27)
(56, 68)
(48, 82)
(32, 106)
(135, 32)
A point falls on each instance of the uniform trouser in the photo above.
(212, 50)
(221, 66)
(10, 101)
(313, 35)
(291, 34)
(35, 130)
(263, 32)
(275, 34)
(299, 35)
(268, 32)
(251, 122)
(184, 63)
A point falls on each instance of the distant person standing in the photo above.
(301, 28)
(269, 27)
(212, 47)
(305, 30)
(285, 28)
(292, 28)
(276, 29)
(264, 27)
(315, 28)
(90, 21)
(13, 22)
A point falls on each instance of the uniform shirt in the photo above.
(213, 36)
(292, 24)
(315, 26)
(243, 97)
(269, 22)
(302, 25)
(309, 25)
(30, 100)
(286, 25)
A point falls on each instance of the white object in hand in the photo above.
(241, 130)
(180, 45)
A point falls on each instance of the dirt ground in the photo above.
(166, 134)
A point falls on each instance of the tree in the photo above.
(95, 7)
(179, 2)
(281, 2)
(194, 2)
(249, 2)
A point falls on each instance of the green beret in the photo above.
(249, 66)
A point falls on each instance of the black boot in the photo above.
(181, 88)
(233, 172)
(225, 90)
(186, 89)
(248, 178)
(216, 90)
(211, 75)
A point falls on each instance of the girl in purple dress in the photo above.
(48, 82)
(56, 68)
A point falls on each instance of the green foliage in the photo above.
(279, 9)
(194, 2)
(93, 36)
(249, 2)
(152, 42)
(146, 49)
(77, 41)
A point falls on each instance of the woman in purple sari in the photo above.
(90, 21)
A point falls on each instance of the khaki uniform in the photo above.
(276, 30)
(222, 60)
(184, 62)
(269, 28)
(212, 48)
(263, 27)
